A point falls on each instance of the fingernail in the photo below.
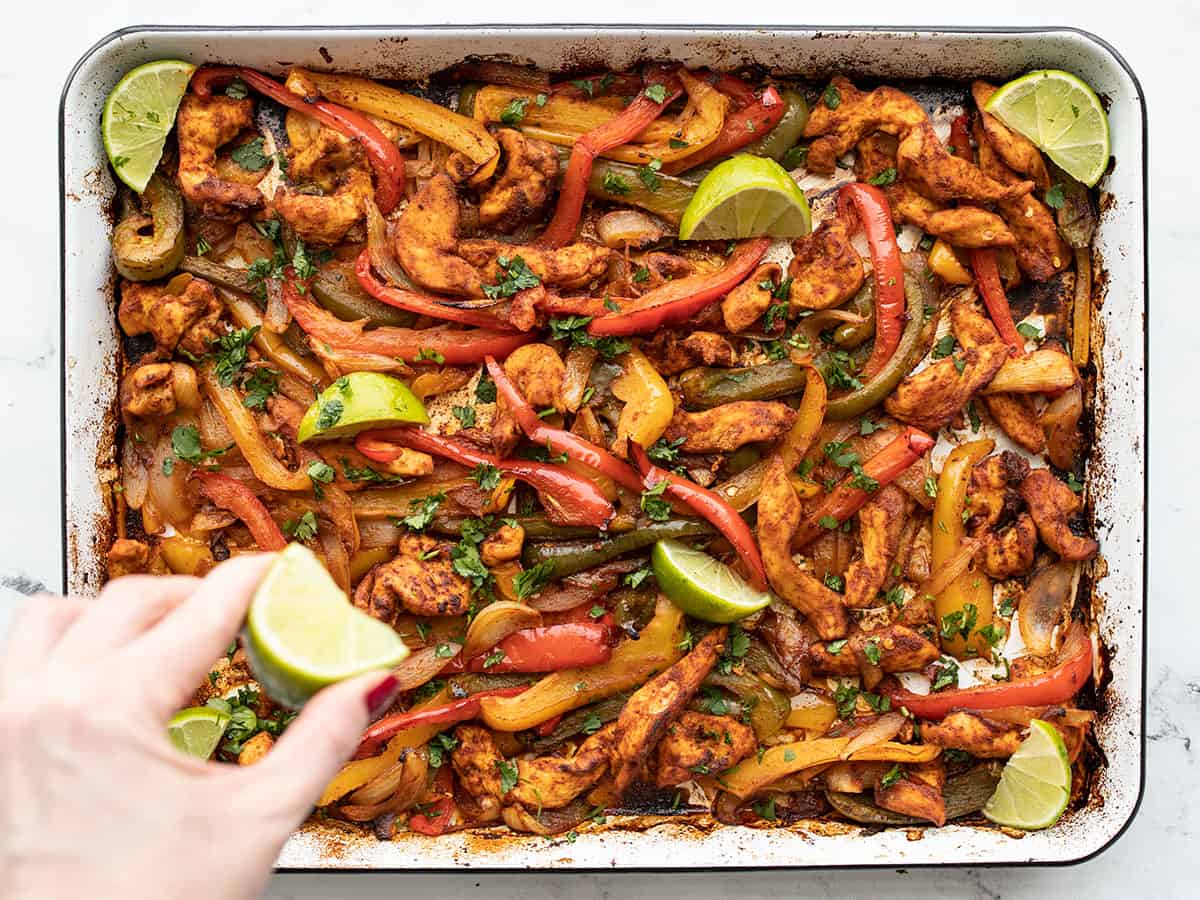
(382, 695)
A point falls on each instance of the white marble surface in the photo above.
(1154, 858)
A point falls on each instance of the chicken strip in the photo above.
(973, 733)
(552, 782)
(1017, 151)
(475, 761)
(149, 391)
(129, 557)
(408, 583)
(203, 125)
(426, 237)
(189, 319)
(537, 371)
(671, 353)
(1015, 414)
(846, 115)
(997, 516)
(778, 517)
(655, 705)
(930, 398)
(724, 428)
(502, 545)
(923, 160)
(747, 303)
(970, 226)
(699, 744)
(917, 793)
(519, 194)
(336, 165)
(880, 522)
(1052, 504)
(874, 156)
(826, 269)
(573, 266)
(901, 649)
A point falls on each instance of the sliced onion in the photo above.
(1060, 421)
(134, 477)
(376, 533)
(382, 259)
(628, 228)
(496, 622)
(578, 370)
(882, 729)
(423, 664)
(211, 520)
(823, 319)
(397, 788)
(1058, 715)
(1046, 605)
(169, 492)
(185, 386)
(945, 574)
(276, 317)
(583, 587)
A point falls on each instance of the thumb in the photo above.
(320, 740)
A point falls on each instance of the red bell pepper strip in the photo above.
(557, 439)
(875, 216)
(1054, 686)
(380, 732)
(456, 347)
(884, 467)
(728, 522)
(384, 155)
(960, 139)
(421, 304)
(755, 117)
(550, 648)
(987, 277)
(577, 497)
(435, 818)
(230, 494)
(679, 300)
(620, 129)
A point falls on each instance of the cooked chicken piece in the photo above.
(256, 749)
(994, 498)
(924, 161)
(520, 193)
(537, 372)
(748, 302)
(502, 545)
(1017, 151)
(826, 269)
(190, 320)
(974, 734)
(729, 426)
(920, 555)
(1040, 250)
(876, 153)
(475, 761)
(224, 677)
(149, 390)
(698, 744)
(203, 125)
(930, 398)
(671, 354)
(654, 705)
(426, 238)
(778, 517)
(918, 793)
(880, 522)
(572, 266)
(130, 557)
(901, 649)
(970, 226)
(423, 587)
(1010, 551)
(339, 167)
(554, 781)
(855, 115)
(1052, 504)
(409, 464)
(662, 267)
(1015, 414)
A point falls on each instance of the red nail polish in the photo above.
(382, 695)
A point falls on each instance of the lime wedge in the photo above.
(359, 401)
(1036, 782)
(747, 196)
(701, 586)
(138, 115)
(1060, 114)
(302, 634)
(197, 730)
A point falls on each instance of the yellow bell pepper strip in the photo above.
(699, 124)
(753, 117)
(757, 772)
(812, 712)
(188, 555)
(632, 662)
(464, 135)
(946, 265)
(972, 588)
(649, 405)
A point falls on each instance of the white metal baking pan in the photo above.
(1117, 475)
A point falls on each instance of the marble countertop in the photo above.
(1152, 858)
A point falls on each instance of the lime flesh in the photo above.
(701, 586)
(747, 196)
(1062, 115)
(138, 114)
(197, 730)
(303, 634)
(359, 401)
(1036, 782)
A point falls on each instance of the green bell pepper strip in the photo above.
(667, 200)
(705, 387)
(780, 139)
(575, 556)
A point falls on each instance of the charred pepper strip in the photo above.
(875, 216)
(384, 155)
(724, 518)
(234, 496)
(754, 117)
(578, 497)
(567, 558)
(422, 304)
(377, 734)
(619, 130)
(987, 276)
(550, 648)
(847, 498)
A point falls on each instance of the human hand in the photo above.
(94, 799)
